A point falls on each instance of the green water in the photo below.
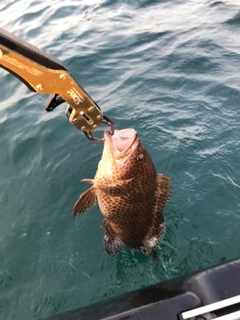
(171, 70)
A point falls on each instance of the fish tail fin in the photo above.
(153, 254)
(112, 244)
(85, 201)
(149, 251)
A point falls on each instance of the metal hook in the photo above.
(106, 121)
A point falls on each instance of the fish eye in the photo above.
(140, 157)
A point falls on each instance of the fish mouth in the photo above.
(122, 140)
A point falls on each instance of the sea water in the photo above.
(169, 69)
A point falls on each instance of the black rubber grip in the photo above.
(29, 51)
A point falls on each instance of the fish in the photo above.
(130, 193)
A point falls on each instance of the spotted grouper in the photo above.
(131, 195)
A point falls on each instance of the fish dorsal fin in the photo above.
(162, 192)
(157, 229)
(111, 243)
(85, 201)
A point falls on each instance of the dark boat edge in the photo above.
(169, 299)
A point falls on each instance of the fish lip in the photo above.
(108, 137)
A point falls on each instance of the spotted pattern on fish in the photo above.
(131, 197)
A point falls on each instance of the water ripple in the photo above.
(168, 69)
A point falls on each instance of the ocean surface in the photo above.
(169, 69)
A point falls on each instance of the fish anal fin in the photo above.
(85, 201)
(112, 244)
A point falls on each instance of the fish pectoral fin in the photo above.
(85, 201)
(118, 188)
(89, 181)
(112, 244)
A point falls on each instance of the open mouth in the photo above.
(124, 139)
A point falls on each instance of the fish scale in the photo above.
(131, 195)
